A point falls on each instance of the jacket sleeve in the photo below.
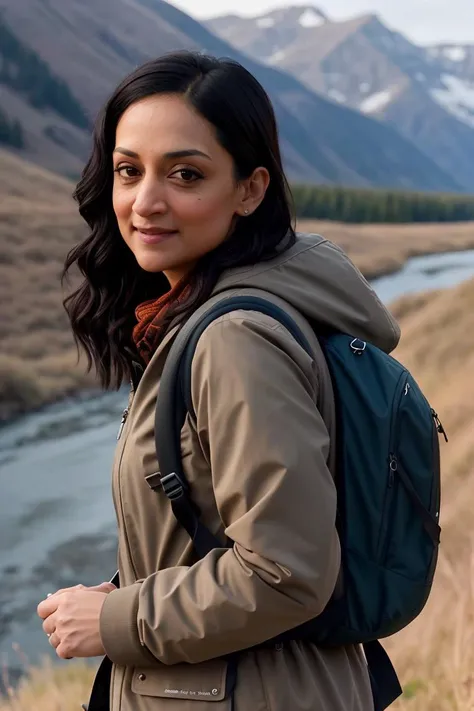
(253, 393)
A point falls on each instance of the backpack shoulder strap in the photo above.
(234, 303)
(174, 401)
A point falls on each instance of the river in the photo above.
(57, 525)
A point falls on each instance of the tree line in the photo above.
(11, 132)
(389, 206)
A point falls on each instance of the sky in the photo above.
(423, 21)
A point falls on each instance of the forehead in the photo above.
(164, 123)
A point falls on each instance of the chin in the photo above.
(152, 260)
(151, 265)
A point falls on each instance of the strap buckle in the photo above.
(154, 481)
(173, 486)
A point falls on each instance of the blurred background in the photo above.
(375, 104)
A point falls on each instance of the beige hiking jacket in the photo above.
(259, 457)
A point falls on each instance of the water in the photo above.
(434, 271)
(57, 525)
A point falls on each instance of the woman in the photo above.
(186, 199)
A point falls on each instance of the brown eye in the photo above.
(187, 175)
(127, 171)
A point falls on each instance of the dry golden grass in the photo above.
(434, 656)
(52, 688)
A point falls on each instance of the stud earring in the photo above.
(246, 212)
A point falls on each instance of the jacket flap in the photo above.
(198, 682)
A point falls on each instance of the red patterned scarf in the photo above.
(148, 331)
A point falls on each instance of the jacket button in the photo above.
(214, 692)
(141, 677)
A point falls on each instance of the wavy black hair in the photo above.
(102, 309)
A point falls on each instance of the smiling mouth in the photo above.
(155, 236)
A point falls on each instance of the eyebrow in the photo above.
(185, 153)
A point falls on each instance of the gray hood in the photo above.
(318, 279)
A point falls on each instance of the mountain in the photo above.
(427, 94)
(87, 47)
(39, 116)
(456, 59)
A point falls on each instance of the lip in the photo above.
(154, 235)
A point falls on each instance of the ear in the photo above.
(253, 191)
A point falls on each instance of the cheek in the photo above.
(214, 209)
(122, 202)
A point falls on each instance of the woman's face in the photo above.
(175, 194)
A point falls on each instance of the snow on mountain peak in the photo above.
(457, 96)
(376, 102)
(455, 54)
(311, 18)
(265, 22)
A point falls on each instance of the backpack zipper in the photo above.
(402, 391)
(439, 425)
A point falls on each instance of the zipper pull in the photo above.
(122, 423)
(439, 425)
(393, 469)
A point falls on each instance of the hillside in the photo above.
(39, 223)
(88, 54)
(39, 115)
(426, 94)
(435, 655)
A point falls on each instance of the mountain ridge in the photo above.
(427, 94)
(322, 142)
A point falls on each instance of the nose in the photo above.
(149, 199)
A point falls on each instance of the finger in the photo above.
(49, 625)
(47, 607)
(62, 653)
(104, 587)
(54, 640)
(65, 590)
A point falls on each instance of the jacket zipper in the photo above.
(122, 422)
(125, 413)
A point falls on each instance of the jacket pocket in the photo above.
(207, 681)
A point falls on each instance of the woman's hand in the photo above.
(72, 618)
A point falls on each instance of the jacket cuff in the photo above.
(119, 630)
